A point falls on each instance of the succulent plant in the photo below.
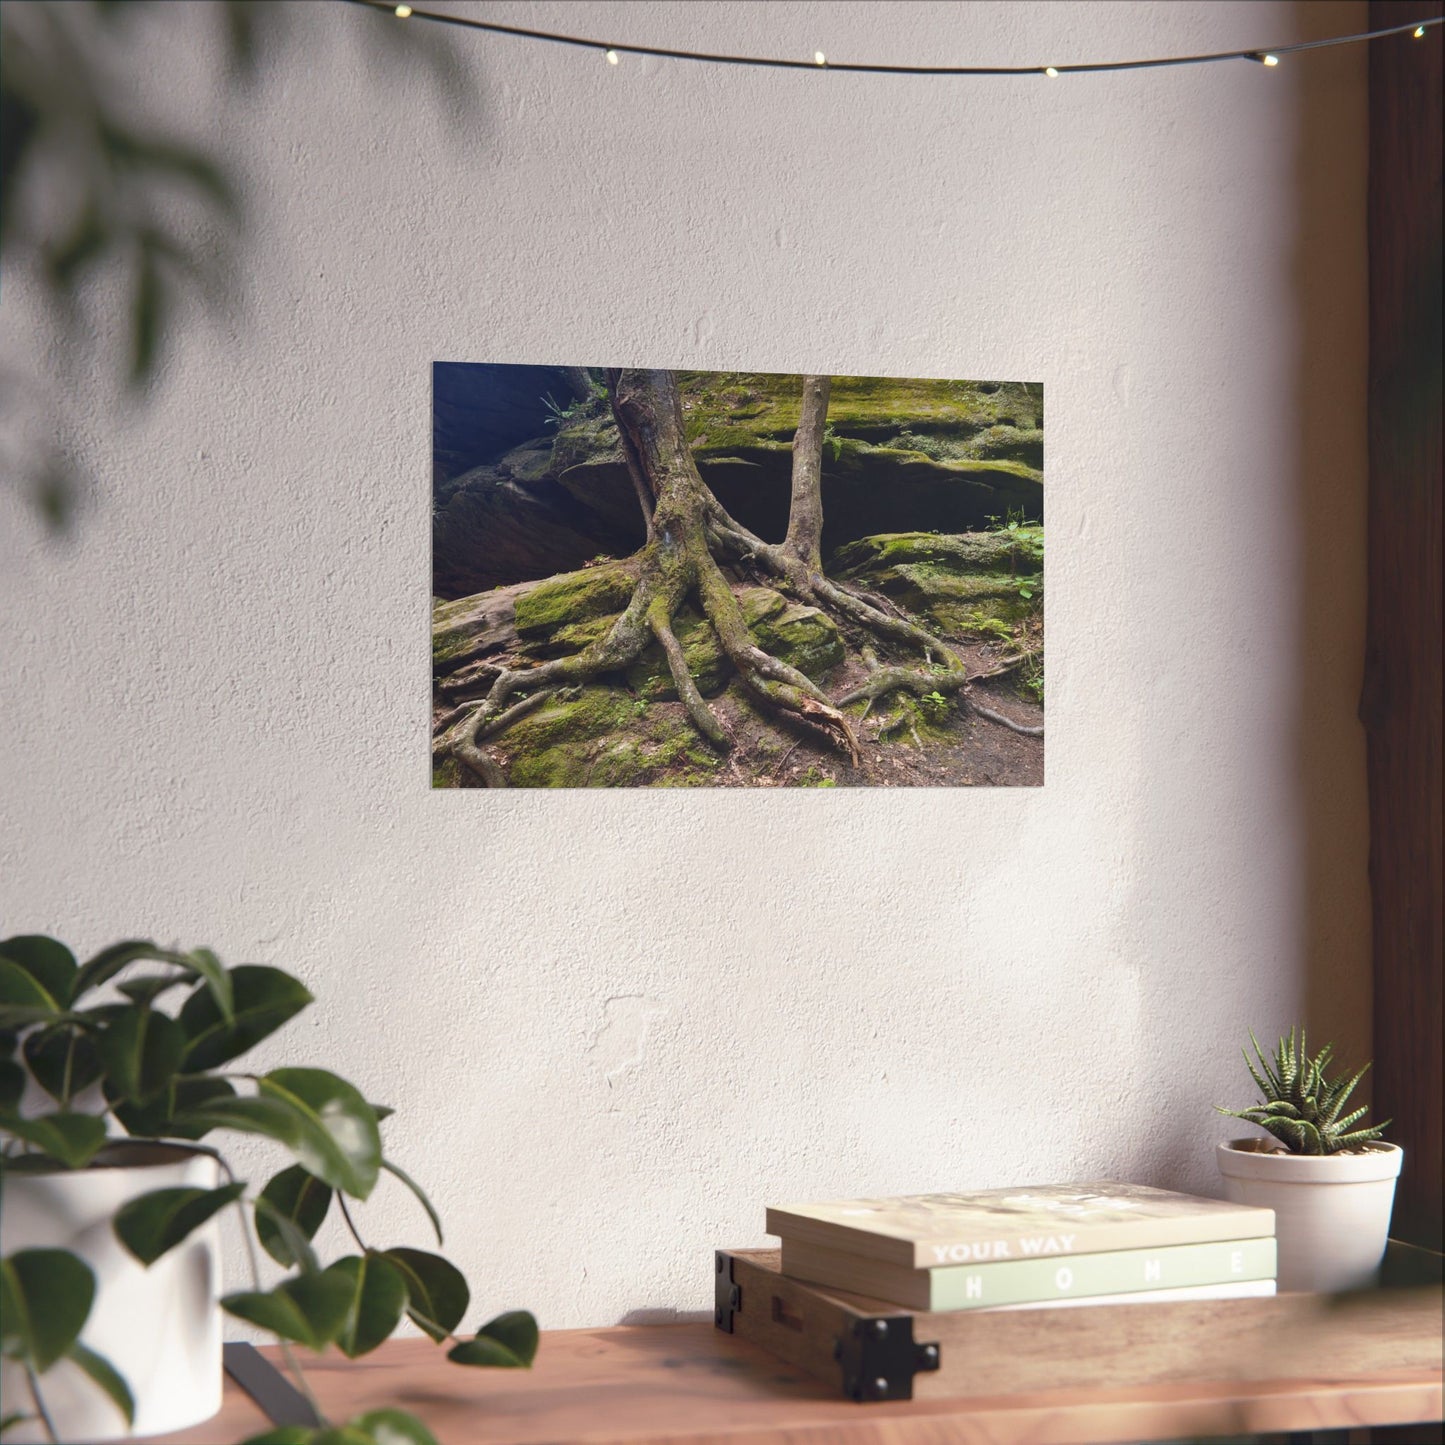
(1301, 1108)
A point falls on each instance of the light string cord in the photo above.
(613, 49)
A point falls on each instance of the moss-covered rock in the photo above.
(574, 597)
(600, 737)
(899, 454)
(979, 584)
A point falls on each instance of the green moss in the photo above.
(573, 597)
(965, 585)
(803, 637)
(983, 552)
(600, 738)
(446, 774)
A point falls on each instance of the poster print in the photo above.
(649, 579)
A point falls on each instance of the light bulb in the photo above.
(819, 58)
(1271, 60)
(1051, 72)
(402, 11)
(612, 57)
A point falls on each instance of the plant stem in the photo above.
(361, 1245)
(39, 1403)
(346, 1215)
(254, 1260)
(69, 1071)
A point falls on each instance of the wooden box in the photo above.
(873, 1350)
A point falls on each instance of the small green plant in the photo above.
(833, 442)
(934, 705)
(1301, 1107)
(559, 416)
(815, 778)
(168, 1073)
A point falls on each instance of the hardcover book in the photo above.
(1035, 1281)
(1249, 1289)
(924, 1231)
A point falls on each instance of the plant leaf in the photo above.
(416, 1189)
(309, 1309)
(109, 962)
(54, 1052)
(152, 1224)
(507, 1342)
(162, 1117)
(299, 1197)
(393, 1427)
(51, 964)
(45, 1299)
(141, 1051)
(277, 1115)
(378, 1296)
(106, 1376)
(341, 1135)
(12, 1085)
(299, 1247)
(263, 999)
(73, 1139)
(437, 1294)
(23, 998)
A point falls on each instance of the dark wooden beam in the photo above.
(1400, 704)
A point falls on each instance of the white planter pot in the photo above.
(160, 1327)
(1331, 1211)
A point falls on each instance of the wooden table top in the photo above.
(691, 1384)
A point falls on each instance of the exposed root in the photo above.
(1004, 722)
(703, 717)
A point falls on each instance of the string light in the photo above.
(1262, 57)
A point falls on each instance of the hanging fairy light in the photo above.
(613, 51)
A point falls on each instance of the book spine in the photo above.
(1120, 1272)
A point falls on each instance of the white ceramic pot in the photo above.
(160, 1327)
(1331, 1211)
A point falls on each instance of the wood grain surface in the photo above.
(692, 1383)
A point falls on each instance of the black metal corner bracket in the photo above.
(727, 1296)
(880, 1358)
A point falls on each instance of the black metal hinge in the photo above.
(880, 1357)
(727, 1296)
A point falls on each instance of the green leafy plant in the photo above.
(935, 705)
(833, 442)
(100, 1030)
(1301, 1107)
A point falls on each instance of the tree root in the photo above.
(1002, 721)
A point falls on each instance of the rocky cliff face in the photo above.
(534, 485)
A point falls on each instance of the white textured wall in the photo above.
(617, 1024)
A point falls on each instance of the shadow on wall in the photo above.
(1325, 897)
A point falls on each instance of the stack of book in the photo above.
(1076, 1244)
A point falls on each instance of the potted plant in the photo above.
(116, 1077)
(1331, 1185)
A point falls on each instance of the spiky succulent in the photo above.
(1301, 1108)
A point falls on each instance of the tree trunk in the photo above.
(805, 518)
